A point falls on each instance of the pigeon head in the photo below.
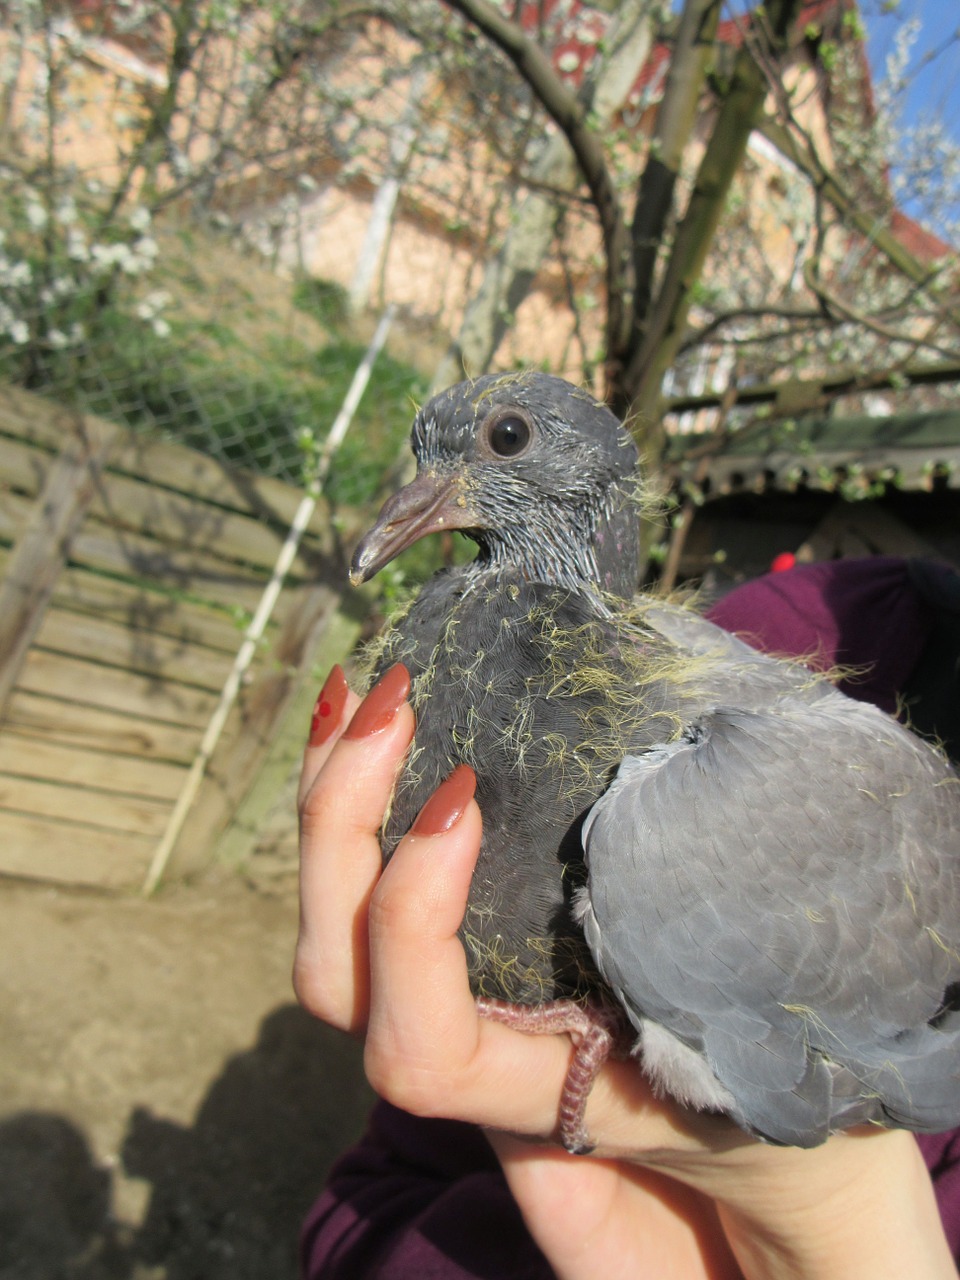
(533, 469)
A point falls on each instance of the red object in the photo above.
(785, 560)
(328, 711)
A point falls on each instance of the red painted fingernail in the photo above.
(445, 807)
(328, 709)
(381, 704)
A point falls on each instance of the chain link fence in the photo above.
(192, 317)
(215, 350)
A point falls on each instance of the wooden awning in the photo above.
(852, 456)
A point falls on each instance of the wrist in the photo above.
(862, 1206)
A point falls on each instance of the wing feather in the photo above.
(779, 888)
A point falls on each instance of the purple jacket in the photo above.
(425, 1199)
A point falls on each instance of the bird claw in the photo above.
(592, 1027)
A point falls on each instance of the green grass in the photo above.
(248, 397)
(253, 371)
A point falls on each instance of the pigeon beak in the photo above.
(427, 505)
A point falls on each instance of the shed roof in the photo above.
(915, 451)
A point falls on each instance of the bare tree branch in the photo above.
(565, 109)
(675, 121)
(648, 361)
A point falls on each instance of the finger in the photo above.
(426, 1049)
(428, 1052)
(340, 857)
(332, 711)
(628, 1221)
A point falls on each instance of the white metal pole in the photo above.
(261, 617)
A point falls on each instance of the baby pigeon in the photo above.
(759, 876)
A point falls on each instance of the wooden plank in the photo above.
(147, 611)
(179, 521)
(92, 685)
(23, 467)
(183, 569)
(237, 761)
(44, 849)
(191, 570)
(244, 825)
(144, 507)
(33, 419)
(43, 544)
(14, 512)
(82, 806)
(130, 649)
(97, 546)
(27, 757)
(93, 728)
(172, 519)
(147, 607)
(171, 545)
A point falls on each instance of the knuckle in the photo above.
(411, 1086)
(316, 809)
(312, 989)
(394, 909)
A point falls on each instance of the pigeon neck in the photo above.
(594, 549)
(617, 547)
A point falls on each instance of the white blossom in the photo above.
(64, 287)
(14, 275)
(77, 248)
(36, 215)
(141, 218)
(150, 306)
(66, 212)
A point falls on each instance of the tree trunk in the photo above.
(510, 274)
(638, 389)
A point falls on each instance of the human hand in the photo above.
(666, 1189)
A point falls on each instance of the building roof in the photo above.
(917, 451)
(923, 244)
(577, 31)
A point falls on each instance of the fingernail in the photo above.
(445, 807)
(328, 709)
(381, 704)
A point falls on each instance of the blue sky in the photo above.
(935, 84)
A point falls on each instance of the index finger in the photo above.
(427, 1050)
(340, 861)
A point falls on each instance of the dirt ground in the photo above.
(166, 1111)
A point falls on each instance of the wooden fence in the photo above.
(129, 568)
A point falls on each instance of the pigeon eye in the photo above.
(508, 436)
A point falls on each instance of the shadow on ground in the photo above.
(226, 1194)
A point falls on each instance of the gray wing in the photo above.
(732, 671)
(780, 891)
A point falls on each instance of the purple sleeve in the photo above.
(941, 1151)
(418, 1200)
(425, 1199)
(865, 614)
